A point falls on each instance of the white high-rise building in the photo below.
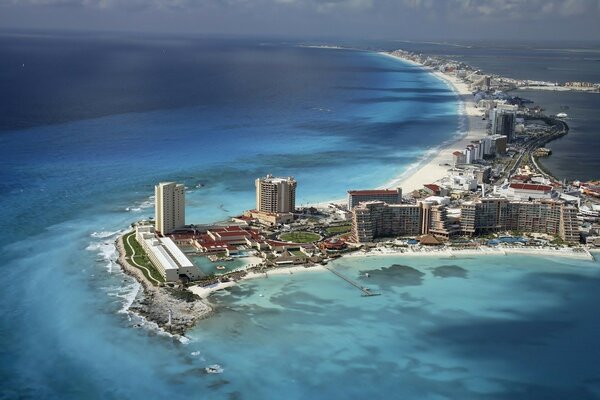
(276, 195)
(169, 205)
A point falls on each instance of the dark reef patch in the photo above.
(394, 275)
(450, 271)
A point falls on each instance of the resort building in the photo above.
(528, 191)
(169, 207)
(164, 254)
(387, 196)
(543, 216)
(374, 219)
(275, 195)
(268, 218)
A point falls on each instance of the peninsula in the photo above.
(482, 193)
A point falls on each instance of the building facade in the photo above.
(374, 219)
(275, 195)
(169, 207)
(543, 216)
(166, 257)
(387, 196)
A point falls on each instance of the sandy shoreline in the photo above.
(430, 168)
(205, 291)
(583, 254)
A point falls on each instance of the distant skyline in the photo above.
(368, 19)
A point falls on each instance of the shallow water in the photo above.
(89, 125)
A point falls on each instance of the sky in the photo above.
(368, 19)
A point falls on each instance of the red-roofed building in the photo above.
(520, 179)
(232, 235)
(334, 244)
(435, 190)
(387, 196)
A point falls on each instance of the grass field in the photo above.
(141, 258)
(300, 237)
(336, 230)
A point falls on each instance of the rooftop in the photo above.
(531, 186)
(373, 192)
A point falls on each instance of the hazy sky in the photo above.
(392, 19)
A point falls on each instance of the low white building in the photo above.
(168, 259)
(527, 191)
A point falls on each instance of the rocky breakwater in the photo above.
(155, 302)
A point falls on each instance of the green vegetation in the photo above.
(300, 237)
(131, 246)
(336, 230)
(298, 253)
(183, 294)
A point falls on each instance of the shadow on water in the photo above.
(450, 271)
(395, 99)
(396, 90)
(395, 275)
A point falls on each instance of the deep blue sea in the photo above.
(88, 124)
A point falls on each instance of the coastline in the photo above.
(154, 303)
(569, 253)
(431, 168)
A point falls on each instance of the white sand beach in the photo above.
(446, 252)
(432, 167)
(435, 164)
(205, 291)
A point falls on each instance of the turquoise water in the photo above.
(91, 124)
(493, 327)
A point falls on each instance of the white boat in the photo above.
(214, 369)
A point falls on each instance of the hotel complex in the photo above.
(377, 219)
(275, 201)
(275, 195)
(388, 196)
(499, 214)
(169, 204)
(168, 259)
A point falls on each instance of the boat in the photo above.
(221, 267)
(561, 115)
(367, 275)
(213, 369)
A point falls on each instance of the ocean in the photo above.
(89, 123)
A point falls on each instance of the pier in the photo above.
(366, 291)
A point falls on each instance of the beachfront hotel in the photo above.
(169, 207)
(388, 196)
(500, 214)
(374, 219)
(275, 195)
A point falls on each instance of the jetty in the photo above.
(365, 290)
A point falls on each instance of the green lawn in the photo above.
(300, 237)
(336, 230)
(140, 257)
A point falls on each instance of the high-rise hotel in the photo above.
(169, 204)
(275, 195)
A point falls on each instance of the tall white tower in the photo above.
(169, 206)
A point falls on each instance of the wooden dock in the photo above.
(366, 291)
